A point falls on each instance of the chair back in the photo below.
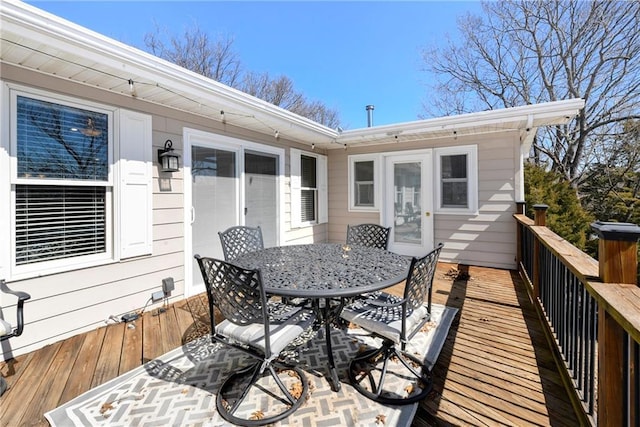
(235, 291)
(239, 240)
(6, 329)
(420, 280)
(371, 235)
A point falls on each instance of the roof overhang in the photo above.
(39, 41)
(525, 120)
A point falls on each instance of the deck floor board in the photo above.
(494, 369)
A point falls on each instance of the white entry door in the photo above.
(408, 202)
(227, 183)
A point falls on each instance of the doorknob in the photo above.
(427, 213)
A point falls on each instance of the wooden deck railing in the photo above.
(591, 311)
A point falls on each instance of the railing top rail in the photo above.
(582, 265)
(621, 301)
(523, 219)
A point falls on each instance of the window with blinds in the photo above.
(62, 181)
(54, 222)
(309, 189)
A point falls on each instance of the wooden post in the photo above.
(540, 219)
(618, 263)
(520, 209)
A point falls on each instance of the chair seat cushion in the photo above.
(383, 321)
(5, 328)
(283, 330)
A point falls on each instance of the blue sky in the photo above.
(344, 54)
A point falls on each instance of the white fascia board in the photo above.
(542, 114)
(43, 27)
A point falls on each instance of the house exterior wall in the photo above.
(467, 238)
(75, 301)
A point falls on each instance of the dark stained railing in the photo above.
(592, 315)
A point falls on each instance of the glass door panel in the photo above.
(261, 194)
(407, 219)
(408, 203)
(214, 198)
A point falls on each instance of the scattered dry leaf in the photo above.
(296, 390)
(362, 348)
(184, 391)
(381, 419)
(106, 407)
(225, 404)
(428, 326)
(456, 274)
(409, 389)
(257, 415)
(352, 326)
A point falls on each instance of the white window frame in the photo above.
(116, 221)
(471, 151)
(322, 214)
(356, 158)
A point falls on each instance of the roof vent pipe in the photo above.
(369, 115)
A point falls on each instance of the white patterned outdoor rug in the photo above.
(178, 388)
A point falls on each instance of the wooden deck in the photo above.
(495, 368)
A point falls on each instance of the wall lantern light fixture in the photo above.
(167, 158)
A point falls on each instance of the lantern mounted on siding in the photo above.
(167, 158)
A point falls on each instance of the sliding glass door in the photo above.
(230, 182)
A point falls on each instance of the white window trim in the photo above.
(471, 151)
(353, 159)
(114, 219)
(321, 180)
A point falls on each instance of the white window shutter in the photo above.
(323, 198)
(136, 192)
(296, 183)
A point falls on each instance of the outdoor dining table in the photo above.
(326, 274)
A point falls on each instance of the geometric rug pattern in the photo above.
(179, 388)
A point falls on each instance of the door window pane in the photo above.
(261, 194)
(407, 219)
(214, 198)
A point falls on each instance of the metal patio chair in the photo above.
(267, 390)
(372, 235)
(7, 330)
(239, 240)
(395, 320)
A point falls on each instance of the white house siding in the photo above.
(485, 239)
(76, 301)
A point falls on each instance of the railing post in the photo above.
(540, 219)
(618, 263)
(520, 209)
